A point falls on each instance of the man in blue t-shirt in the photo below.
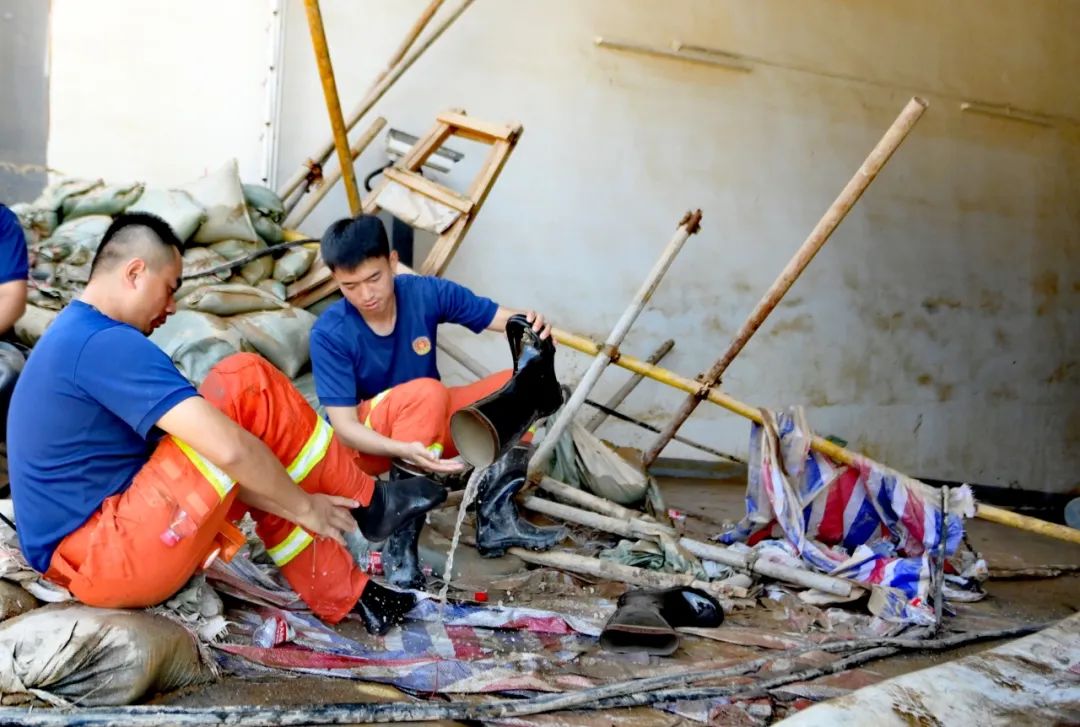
(125, 480)
(14, 271)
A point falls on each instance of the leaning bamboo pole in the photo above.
(838, 210)
(834, 451)
(689, 225)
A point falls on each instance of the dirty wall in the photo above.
(938, 329)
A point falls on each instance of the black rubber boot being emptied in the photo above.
(645, 621)
(382, 608)
(499, 525)
(485, 429)
(395, 503)
(400, 559)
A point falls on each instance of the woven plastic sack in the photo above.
(253, 272)
(196, 341)
(293, 265)
(281, 336)
(37, 222)
(222, 196)
(178, 208)
(198, 260)
(267, 212)
(76, 241)
(274, 288)
(53, 197)
(111, 199)
(230, 300)
(71, 653)
(14, 600)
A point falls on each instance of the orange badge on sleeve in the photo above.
(422, 345)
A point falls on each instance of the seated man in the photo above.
(126, 481)
(373, 356)
(14, 270)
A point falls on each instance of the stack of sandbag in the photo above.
(230, 308)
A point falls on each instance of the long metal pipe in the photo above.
(847, 198)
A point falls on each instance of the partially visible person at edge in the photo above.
(14, 272)
(373, 353)
(126, 481)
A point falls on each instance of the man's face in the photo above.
(153, 301)
(369, 287)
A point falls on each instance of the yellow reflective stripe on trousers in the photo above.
(290, 547)
(316, 447)
(374, 403)
(220, 481)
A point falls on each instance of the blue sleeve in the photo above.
(458, 304)
(14, 262)
(146, 387)
(335, 383)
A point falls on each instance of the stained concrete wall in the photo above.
(937, 331)
(25, 82)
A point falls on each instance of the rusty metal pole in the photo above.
(333, 103)
(619, 396)
(689, 225)
(818, 237)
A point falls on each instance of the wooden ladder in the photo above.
(502, 138)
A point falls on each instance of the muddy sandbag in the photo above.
(196, 341)
(178, 208)
(15, 600)
(73, 653)
(280, 335)
(266, 211)
(198, 260)
(110, 199)
(37, 222)
(222, 196)
(252, 272)
(293, 265)
(274, 288)
(53, 196)
(230, 300)
(76, 240)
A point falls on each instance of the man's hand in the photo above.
(417, 454)
(539, 323)
(328, 516)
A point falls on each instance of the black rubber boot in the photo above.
(484, 430)
(382, 608)
(499, 525)
(393, 504)
(400, 560)
(645, 621)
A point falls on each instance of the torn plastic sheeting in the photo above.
(222, 197)
(93, 656)
(196, 341)
(844, 521)
(1032, 680)
(279, 335)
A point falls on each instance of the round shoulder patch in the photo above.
(422, 345)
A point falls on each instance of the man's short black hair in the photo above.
(349, 242)
(124, 229)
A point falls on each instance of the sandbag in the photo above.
(267, 229)
(197, 260)
(110, 199)
(37, 222)
(267, 212)
(281, 336)
(178, 208)
(72, 653)
(274, 288)
(253, 272)
(15, 600)
(53, 197)
(222, 196)
(196, 341)
(293, 265)
(230, 300)
(76, 240)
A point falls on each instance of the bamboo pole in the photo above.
(624, 391)
(298, 215)
(839, 209)
(636, 528)
(820, 444)
(375, 93)
(689, 225)
(333, 103)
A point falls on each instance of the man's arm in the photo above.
(12, 303)
(502, 315)
(262, 479)
(364, 439)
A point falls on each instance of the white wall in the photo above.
(157, 91)
(938, 329)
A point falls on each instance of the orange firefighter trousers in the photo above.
(143, 544)
(420, 411)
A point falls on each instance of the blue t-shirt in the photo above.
(14, 263)
(82, 422)
(352, 363)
